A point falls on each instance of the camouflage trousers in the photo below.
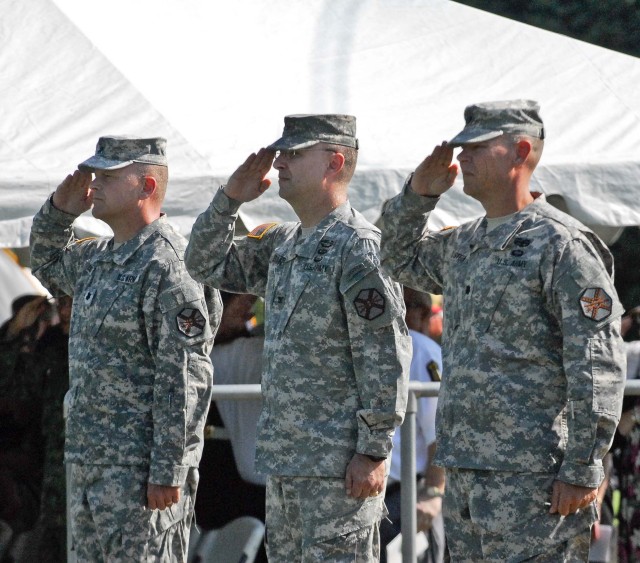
(311, 519)
(504, 517)
(110, 521)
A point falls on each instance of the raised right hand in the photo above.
(248, 182)
(73, 196)
(435, 174)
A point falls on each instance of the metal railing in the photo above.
(408, 491)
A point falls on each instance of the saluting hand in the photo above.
(248, 182)
(435, 174)
(73, 195)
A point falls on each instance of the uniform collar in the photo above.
(122, 254)
(501, 236)
(307, 248)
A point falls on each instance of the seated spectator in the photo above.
(426, 365)
(20, 415)
(229, 487)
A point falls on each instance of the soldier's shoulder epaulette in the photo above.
(448, 228)
(261, 230)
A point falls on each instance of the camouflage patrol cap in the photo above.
(115, 152)
(489, 120)
(302, 131)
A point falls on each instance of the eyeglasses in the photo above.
(292, 154)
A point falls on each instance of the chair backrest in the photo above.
(236, 542)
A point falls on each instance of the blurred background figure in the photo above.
(21, 450)
(52, 354)
(626, 450)
(426, 365)
(229, 486)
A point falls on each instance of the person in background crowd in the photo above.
(52, 359)
(626, 449)
(426, 365)
(337, 350)
(230, 487)
(139, 368)
(20, 414)
(532, 355)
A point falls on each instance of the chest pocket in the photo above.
(109, 312)
(490, 305)
(303, 300)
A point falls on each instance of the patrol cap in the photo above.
(302, 131)
(115, 152)
(489, 120)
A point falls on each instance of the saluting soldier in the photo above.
(337, 350)
(532, 354)
(139, 368)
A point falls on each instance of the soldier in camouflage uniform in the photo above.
(337, 349)
(531, 346)
(139, 370)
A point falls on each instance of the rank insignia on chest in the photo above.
(191, 322)
(261, 230)
(522, 242)
(88, 296)
(595, 303)
(370, 304)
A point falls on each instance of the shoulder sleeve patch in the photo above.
(191, 322)
(369, 304)
(261, 230)
(596, 303)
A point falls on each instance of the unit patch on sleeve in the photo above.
(370, 304)
(261, 230)
(191, 322)
(595, 303)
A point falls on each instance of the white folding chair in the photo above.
(236, 542)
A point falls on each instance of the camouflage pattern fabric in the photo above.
(108, 512)
(314, 517)
(140, 374)
(141, 332)
(501, 516)
(337, 350)
(531, 337)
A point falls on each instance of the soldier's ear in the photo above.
(149, 186)
(523, 149)
(337, 162)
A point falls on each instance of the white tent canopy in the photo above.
(225, 73)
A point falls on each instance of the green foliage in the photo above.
(613, 24)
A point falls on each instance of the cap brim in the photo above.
(292, 143)
(99, 163)
(468, 136)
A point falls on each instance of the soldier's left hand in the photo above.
(364, 477)
(162, 496)
(567, 499)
